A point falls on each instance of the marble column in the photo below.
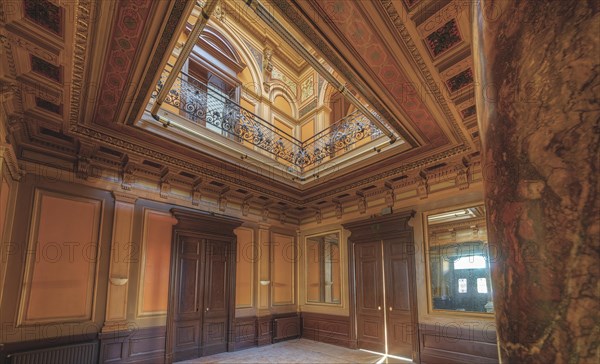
(538, 87)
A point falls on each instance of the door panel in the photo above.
(215, 298)
(189, 286)
(401, 331)
(369, 297)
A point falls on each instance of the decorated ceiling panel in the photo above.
(74, 75)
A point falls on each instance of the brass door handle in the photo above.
(390, 308)
(379, 308)
(207, 309)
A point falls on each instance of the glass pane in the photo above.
(482, 285)
(458, 260)
(323, 275)
(470, 262)
(462, 285)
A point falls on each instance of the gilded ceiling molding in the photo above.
(156, 65)
(12, 70)
(390, 10)
(80, 45)
(30, 47)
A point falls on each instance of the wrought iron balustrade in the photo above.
(209, 106)
(341, 136)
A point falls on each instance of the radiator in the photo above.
(68, 354)
(286, 327)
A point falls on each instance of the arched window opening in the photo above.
(212, 72)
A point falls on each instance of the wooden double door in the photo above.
(384, 304)
(201, 305)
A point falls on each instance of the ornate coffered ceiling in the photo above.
(76, 77)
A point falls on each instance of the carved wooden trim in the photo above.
(205, 222)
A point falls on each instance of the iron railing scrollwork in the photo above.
(208, 106)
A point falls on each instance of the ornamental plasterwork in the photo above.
(85, 12)
(278, 75)
(339, 210)
(432, 85)
(308, 88)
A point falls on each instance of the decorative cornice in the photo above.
(396, 20)
(170, 160)
(168, 33)
(392, 172)
(82, 32)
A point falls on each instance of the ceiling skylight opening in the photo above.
(243, 73)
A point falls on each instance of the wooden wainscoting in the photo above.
(255, 331)
(245, 333)
(329, 329)
(264, 330)
(142, 345)
(286, 328)
(453, 344)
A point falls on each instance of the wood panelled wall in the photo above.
(111, 252)
(56, 261)
(81, 263)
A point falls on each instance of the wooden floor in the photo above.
(296, 351)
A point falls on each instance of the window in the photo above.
(482, 285)
(462, 285)
(470, 262)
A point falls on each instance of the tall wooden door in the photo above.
(189, 285)
(384, 304)
(369, 297)
(216, 300)
(202, 285)
(401, 329)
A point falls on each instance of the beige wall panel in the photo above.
(244, 279)
(308, 130)
(158, 230)
(283, 276)
(116, 308)
(283, 105)
(282, 126)
(61, 273)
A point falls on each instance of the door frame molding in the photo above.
(208, 224)
(378, 228)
